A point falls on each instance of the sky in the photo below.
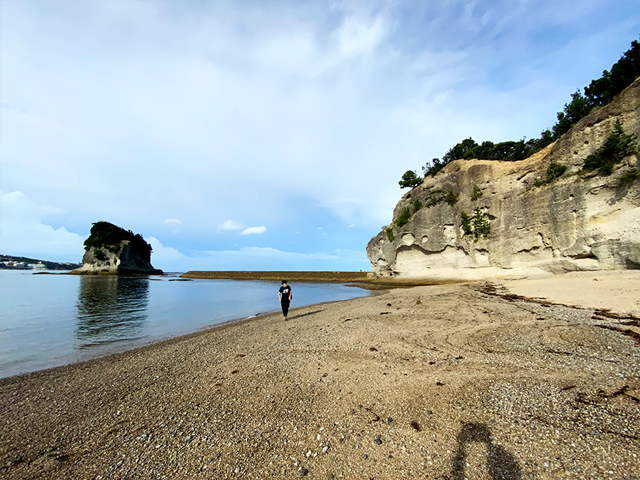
(266, 135)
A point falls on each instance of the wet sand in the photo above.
(450, 382)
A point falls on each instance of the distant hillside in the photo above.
(7, 262)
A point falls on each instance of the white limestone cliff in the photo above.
(577, 222)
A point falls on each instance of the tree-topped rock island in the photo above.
(111, 250)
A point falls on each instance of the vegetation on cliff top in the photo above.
(410, 179)
(600, 92)
(109, 236)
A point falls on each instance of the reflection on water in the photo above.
(51, 320)
(110, 308)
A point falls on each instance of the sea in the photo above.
(48, 319)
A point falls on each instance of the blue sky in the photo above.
(266, 135)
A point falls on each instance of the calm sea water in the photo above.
(51, 320)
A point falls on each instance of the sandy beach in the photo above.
(449, 382)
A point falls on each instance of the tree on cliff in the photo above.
(600, 92)
(603, 90)
(109, 236)
(410, 179)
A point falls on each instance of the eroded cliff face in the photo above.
(577, 222)
(101, 261)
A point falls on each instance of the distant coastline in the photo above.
(8, 262)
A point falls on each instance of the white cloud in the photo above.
(267, 109)
(254, 230)
(230, 225)
(172, 221)
(23, 231)
(360, 35)
(273, 253)
(161, 253)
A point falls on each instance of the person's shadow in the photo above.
(304, 314)
(500, 463)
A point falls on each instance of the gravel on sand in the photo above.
(450, 382)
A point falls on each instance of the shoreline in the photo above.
(184, 336)
(363, 280)
(423, 382)
(181, 337)
(324, 277)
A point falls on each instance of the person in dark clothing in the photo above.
(284, 295)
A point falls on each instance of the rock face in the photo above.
(124, 261)
(576, 222)
(112, 250)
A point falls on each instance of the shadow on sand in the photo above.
(305, 314)
(501, 464)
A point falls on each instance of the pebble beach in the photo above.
(445, 382)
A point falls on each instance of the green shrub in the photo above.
(417, 205)
(410, 179)
(438, 196)
(614, 149)
(451, 198)
(99, 254)
(403, 218)
(433, 167)
(475, 225)
(629, 177)
(390, 234)
(435, 197)
(554, 171)
(466, 223)
(477, 193)
(481, 225)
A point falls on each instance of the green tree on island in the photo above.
(109, 236)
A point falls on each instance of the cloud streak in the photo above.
(268, 252)
(230, 225)
(254, 231)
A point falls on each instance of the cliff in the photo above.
(111, 250)
(486, 218)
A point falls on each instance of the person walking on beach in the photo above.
(284, 295)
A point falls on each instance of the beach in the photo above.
(503, 379)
